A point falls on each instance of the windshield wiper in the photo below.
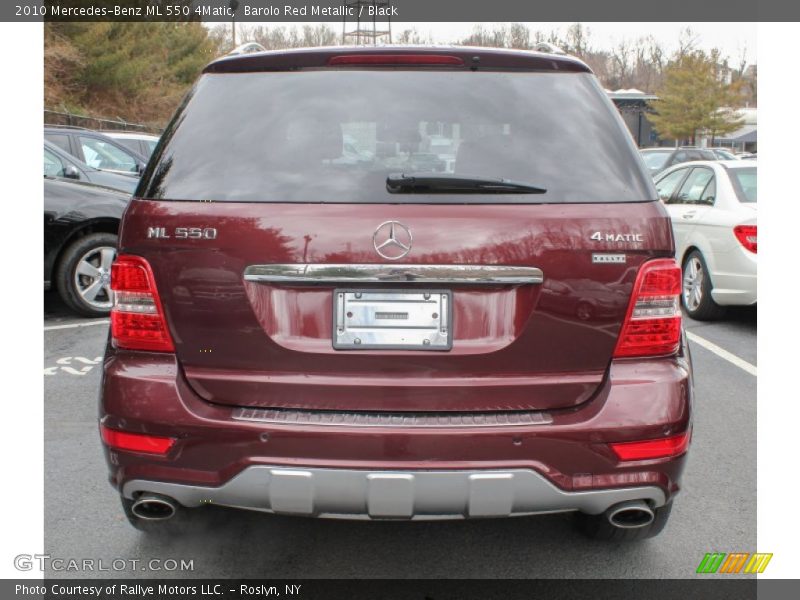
(447, 183)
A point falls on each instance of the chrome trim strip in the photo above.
(383, 273)
(287, 416)
(401, 494)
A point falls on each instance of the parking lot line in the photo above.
(73, 325)
(722, 353)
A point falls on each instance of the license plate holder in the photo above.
(409, 319)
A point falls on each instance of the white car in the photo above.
(714, 219)
(143, 143)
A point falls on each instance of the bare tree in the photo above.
(687, 43)
(519, 36)
(742, 60)
(576, 40)
(621, 56)
(319, 35)
(648, 64)
(412, 37)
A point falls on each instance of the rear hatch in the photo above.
(293, 275)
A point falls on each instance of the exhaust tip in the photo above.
(154, 508)
(630, 515)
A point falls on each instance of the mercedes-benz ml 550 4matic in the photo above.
(320, 312)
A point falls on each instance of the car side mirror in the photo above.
(140, 167)
(71, 172)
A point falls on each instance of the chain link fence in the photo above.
(54, 117)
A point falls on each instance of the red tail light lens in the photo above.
(136, 442)
(652, 325)
(660, 448)
(747, 236)
(394, 59)
(137, 319)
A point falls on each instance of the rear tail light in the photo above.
(652, 324)
(136, 442)
(660, 448)
(137, 319)
(747, 236)
(394, 59)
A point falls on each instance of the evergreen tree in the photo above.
(136, 71)
(694, 99)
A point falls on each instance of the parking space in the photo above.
(715, 511)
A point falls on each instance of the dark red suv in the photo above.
(397, 283)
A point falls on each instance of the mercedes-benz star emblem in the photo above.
(392, 240)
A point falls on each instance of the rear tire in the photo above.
(83, 274)
(696, 289)
(597, 526)
(178, 524)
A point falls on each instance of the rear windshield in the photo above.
(335, 135)
(656, 160)
(745, 182)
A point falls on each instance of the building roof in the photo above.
(631, 94)
(745, 134)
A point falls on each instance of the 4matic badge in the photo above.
(599, 236)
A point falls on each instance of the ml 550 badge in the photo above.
(182, 233)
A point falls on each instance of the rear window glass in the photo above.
(104, 155)
(60, 140)
(335, 136)
(130, 143)
(745, 182)
(656, 160)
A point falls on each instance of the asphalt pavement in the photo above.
(716, 511)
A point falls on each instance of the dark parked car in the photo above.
(293, 333)
(96, 150)
(81, 221)
(658, 159)
(58, 163)
(724, 153)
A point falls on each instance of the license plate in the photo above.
(392, 319)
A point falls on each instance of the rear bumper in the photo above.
(735, 290)
(551, 461)
(735, 278)
(418, 495)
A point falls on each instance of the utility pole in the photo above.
(363, 34)
(233, 4)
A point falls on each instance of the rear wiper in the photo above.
(446, 183)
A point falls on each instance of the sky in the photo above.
(732, 38)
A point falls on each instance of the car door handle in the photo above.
(689, 215)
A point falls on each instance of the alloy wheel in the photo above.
(693, 283)
(93, 277)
